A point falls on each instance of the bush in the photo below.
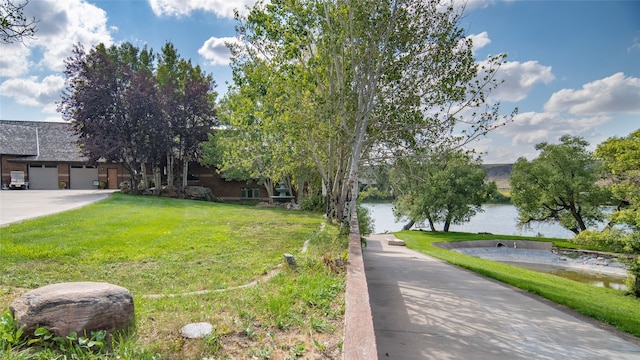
(633, 277)
(365, 222)
(609, 239)
(315, 202)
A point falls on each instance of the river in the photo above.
(496, 219)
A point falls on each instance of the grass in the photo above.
(158, 246)
(607, 305)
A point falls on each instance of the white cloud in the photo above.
(222, 8)
(480, 40)
(614, 94)
(531, 128)
(61, 25)
(519, 78)
(30, 91)
(215, 50)
(14, 59)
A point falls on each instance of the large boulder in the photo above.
(79, 307)
(198, 193)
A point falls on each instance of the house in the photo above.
(48, 154)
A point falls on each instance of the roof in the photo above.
(39, 141)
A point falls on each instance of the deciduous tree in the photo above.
(560, 185)
(440, 186)
(387, 76)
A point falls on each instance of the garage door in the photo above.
(82, 177)
(43, 177)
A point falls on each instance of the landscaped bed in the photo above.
(185, 262)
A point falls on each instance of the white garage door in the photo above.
(82, 177)
(43, 177)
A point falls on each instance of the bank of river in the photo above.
(495, 219)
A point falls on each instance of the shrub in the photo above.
(314, 202)
(609, 239)
(633, 277)
(365, 221)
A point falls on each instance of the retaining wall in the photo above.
(359, 337)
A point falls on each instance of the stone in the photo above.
(196, 330)
(396, 242)
(290, 259)
(80, 307)
(198, 193)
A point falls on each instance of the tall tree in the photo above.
(443, 186)
(188, 106)
(115, 104)
(560, 185)
(621, 157)
(363, 75)
(107, 101)
(14, 25)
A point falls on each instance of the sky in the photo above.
(573, 67)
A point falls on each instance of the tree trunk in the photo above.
(408, 225)
(432, 226)
(447, 223)
(170, 163)
(300, 190)
(576, 215)
(268, 185)
(145, 180)
(157, 180)
(185, 172)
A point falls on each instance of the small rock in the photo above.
(290, 259)
(196, 330)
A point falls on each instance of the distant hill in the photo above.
(500, 174)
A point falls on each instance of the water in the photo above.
(496, 219)
(591, 278)
(502, 219)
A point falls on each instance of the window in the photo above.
(247, 193)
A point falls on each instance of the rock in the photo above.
(196, 330)
(292, 206)
(198, 193)
(79, 307)
(290, 259)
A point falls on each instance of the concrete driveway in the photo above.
(18, 205)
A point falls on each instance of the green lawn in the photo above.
(607, 305)
(158, 246)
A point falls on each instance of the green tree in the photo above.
(621, 158)
(351, 78)
(560, 185)
(447, 186)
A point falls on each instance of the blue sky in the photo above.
(573, 66)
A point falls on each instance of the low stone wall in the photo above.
(359, 337)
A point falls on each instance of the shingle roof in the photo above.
(39, 141)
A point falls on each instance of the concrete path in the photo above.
(19, 205)
(424, 308)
